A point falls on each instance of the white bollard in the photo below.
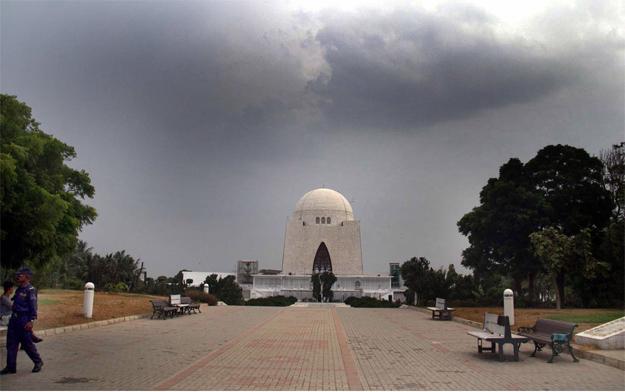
(508, 305)
(206, 287)
(87, 307)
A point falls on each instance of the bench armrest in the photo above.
(526, 329)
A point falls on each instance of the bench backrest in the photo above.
(158, 304)
(554, 326)
(499, 325)
(185, 300)
(440, 303)
(174, 299)
(490, 323)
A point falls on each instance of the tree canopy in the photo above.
(554, 214)
(42, 206)
(226, 289)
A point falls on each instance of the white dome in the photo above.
(324, 201)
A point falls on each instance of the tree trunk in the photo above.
(516, 285)
(558, 299)
(561, 287)
(531, 290)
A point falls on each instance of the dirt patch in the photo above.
(527, 317)
(58, 308)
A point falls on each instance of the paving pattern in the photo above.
(294, 348)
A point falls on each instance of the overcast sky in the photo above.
(202, 123)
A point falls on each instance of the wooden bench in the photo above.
(496, 330)
(440, 310)
(162, 310)
(175, 300)
(192, 306)
(556, 334)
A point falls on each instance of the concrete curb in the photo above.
(78, 327)
(594, 356)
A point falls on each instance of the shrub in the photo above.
(116, 288)
(200, 296)
(278, 300)
(369, 302)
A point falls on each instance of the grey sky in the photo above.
(202, 123)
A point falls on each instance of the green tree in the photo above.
(316, 283)
(614, 177)
(571, 183)
(561, 187)
(213, 284)
(327, 280)
(498, 229)
(41, 210)
(612, 291)
(562, 254)
(225, 289)
(417, 276)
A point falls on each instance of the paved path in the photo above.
(295, 348)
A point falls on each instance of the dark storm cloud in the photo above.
(202, 123)
(411, 68)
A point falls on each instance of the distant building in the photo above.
(322, 235)
(397, 283)
(198, 278)
(269, 272)
(245, 270)
(395, 272)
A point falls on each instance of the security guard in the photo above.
(21, 323)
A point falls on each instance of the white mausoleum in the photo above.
(322, 235)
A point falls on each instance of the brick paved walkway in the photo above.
(295, 348)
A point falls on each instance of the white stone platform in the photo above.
(608, 336)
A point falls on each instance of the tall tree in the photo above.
(316, 284)
(416, 273)
(226, 289)
(327, 279)
(563, 254)
(571, 182)
(499, 228)
(42, 207)
(614, 177)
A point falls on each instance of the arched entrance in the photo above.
(322, 262)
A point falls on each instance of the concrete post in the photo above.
(206, 287)
(508, 305)
(87, 307)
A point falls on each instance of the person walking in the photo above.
(6, 304)
(21, 323)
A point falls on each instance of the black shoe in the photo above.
(7, 371)
(36, 339)
(38, 367)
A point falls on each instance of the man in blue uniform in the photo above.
(21, 324)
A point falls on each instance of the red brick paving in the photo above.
(295, 348)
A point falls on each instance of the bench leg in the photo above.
(501, 352)
(571, 352)
(537, 347)
(555, 350)
(516, 351)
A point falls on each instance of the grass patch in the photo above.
(47, 301)
(592, 318)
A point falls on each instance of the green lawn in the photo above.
(46, 301)
(592, 318)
